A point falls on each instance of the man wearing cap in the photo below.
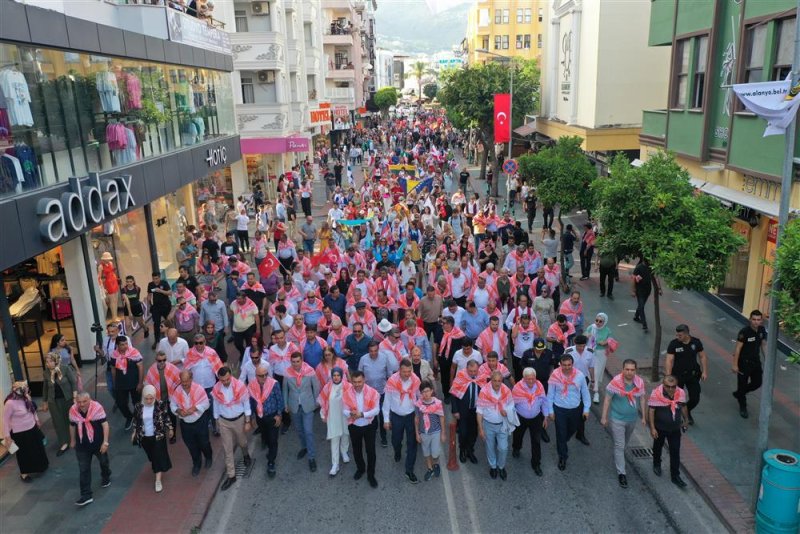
(399, 410)
(391, 346)
(366, 318)
(413, 336)
(377, 369)
(533, 408)
(246, 321)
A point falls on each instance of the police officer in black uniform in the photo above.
(747, 359)
(682, 363)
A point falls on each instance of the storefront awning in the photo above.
(526, 129)
(737, 197)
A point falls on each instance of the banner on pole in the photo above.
(775, 102)
(502, 118)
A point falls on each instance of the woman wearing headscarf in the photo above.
(332, 412)
(60, 390)
(21, 428)
(598, 334)
(151, 429)
(60, 346)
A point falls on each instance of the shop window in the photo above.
(784, 49)
(680, 82)
(699, 83)
(756, 44)
(81, 113)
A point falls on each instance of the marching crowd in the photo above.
(411, 299)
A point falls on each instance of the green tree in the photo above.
(468, 96)
(384, 98)
(653, 212)
(562, 175)
(787, 266)
(418, 70)
(430, 90)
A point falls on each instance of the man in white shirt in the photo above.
(232, 412)
(463, 356)
(459, 284)
(174, 347)
(583, 361)
(189, 403)
(361, 407)
(407, 270)
(399, 411)
(452, 309)
(247, 372)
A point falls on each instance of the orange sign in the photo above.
(772, 231)
(362, 110)
(320, 116)
(324, 105)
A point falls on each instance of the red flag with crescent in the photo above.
(268, 265)
(502, 118)
(333, 256)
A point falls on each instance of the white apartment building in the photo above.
(278, 82)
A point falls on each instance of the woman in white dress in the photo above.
(332, 412)
(544, 309)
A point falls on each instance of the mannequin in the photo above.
(110, 282)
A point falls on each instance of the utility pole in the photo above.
(771, 357)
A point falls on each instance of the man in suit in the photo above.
(464, 393)
(301, 389)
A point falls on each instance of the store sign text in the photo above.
(761, 187)
(86, 205)
(216, 156)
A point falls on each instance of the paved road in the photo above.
(585, 498)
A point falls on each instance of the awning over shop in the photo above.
(526, 129)
(737, 197)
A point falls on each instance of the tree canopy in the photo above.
(653, 212)
(787, 265)
(385, 97)
(430, 90)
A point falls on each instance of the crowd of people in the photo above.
(411, 298)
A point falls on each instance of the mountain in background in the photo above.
(408, 27)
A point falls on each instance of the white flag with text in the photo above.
(772, 101)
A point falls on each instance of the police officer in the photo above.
(530, 208)
(747, 359)
(681, 363)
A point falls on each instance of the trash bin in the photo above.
(778, 508)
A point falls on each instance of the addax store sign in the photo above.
(84, 206)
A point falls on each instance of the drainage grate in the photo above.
(243, 471)
(641, 452)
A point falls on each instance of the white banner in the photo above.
(772, 101)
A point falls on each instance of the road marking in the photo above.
(473, 515)
(232, 494)
(623, 324)
(448, 495)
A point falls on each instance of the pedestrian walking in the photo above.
(586, 251)
(643, 282)
(128, 378)
(623, 393)
(429, 427)
(232, 411)
(59, 393)
(681, 362)
(667, 416)
(332, 414)
(152, 427)
(22, 435)
(402, 392)
(361, 407)
(567, 393)
(465, 391)
(89, 432)
(496, 420)
(599, 342)
(266, 401)
(533, 409)
(747, 359)
(300, 391)
(190, 403)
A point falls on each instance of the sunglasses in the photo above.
(670, 387)
(161, 361)
(199, 342)
(261, 376)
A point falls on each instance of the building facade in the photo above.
(512, 28)
(715, 44)
(120, 135)
(278, 82)
(597, 73)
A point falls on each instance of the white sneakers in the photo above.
(334, 470)
(596, 398)
(345, 458)
(159, 487)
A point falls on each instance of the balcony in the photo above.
(340, 95)
(337, 4)
(258, 51)
(654, 127)
(341, 74)
(258, 120)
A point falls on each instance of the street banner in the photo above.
(268, 265)
(502, 118)
(775, 102)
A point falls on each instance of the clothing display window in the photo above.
(66, 114)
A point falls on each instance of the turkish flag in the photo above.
(268, 265)
(502, 118)
(333, 256)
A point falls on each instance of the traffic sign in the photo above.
(510, 166)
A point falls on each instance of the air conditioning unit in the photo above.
(266, 76)
(260, 8)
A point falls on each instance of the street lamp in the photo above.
(510, 107)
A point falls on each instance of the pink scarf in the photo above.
(617, 386)
(658, 399)
(94, 413)
(434, 408)
(261, 394)
(557, 378)
(395, 384)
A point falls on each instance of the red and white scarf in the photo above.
(193, 398)
(447, 338)
(434, 408)
(398, 349)
(171, 374)
(239, 392)
(94, 413)
(558, 378)
(462, 382)
(485, 373)
(487, 400)
(486, 340)
(121, 360)
(658, 399)
(305, 370)
(371, 399)
(324, 398)
(618, 387)
(243, 310)
(395, 384)
(572, 312)
(522, 395)
(193, 357)
(260, 393)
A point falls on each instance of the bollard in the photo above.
(778, 508)
(452, 461)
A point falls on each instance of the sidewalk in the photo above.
(718, 452)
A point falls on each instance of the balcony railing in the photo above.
(178, 6)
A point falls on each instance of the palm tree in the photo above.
(418, 70)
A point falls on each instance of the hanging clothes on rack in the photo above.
(11, 175)
(189, 133)
(108, 89)
(201, 128)
(184, 97)
(30, 166)
(130, 90)
(15, 97)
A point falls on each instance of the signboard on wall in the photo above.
(320, 116)
(196, 32)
